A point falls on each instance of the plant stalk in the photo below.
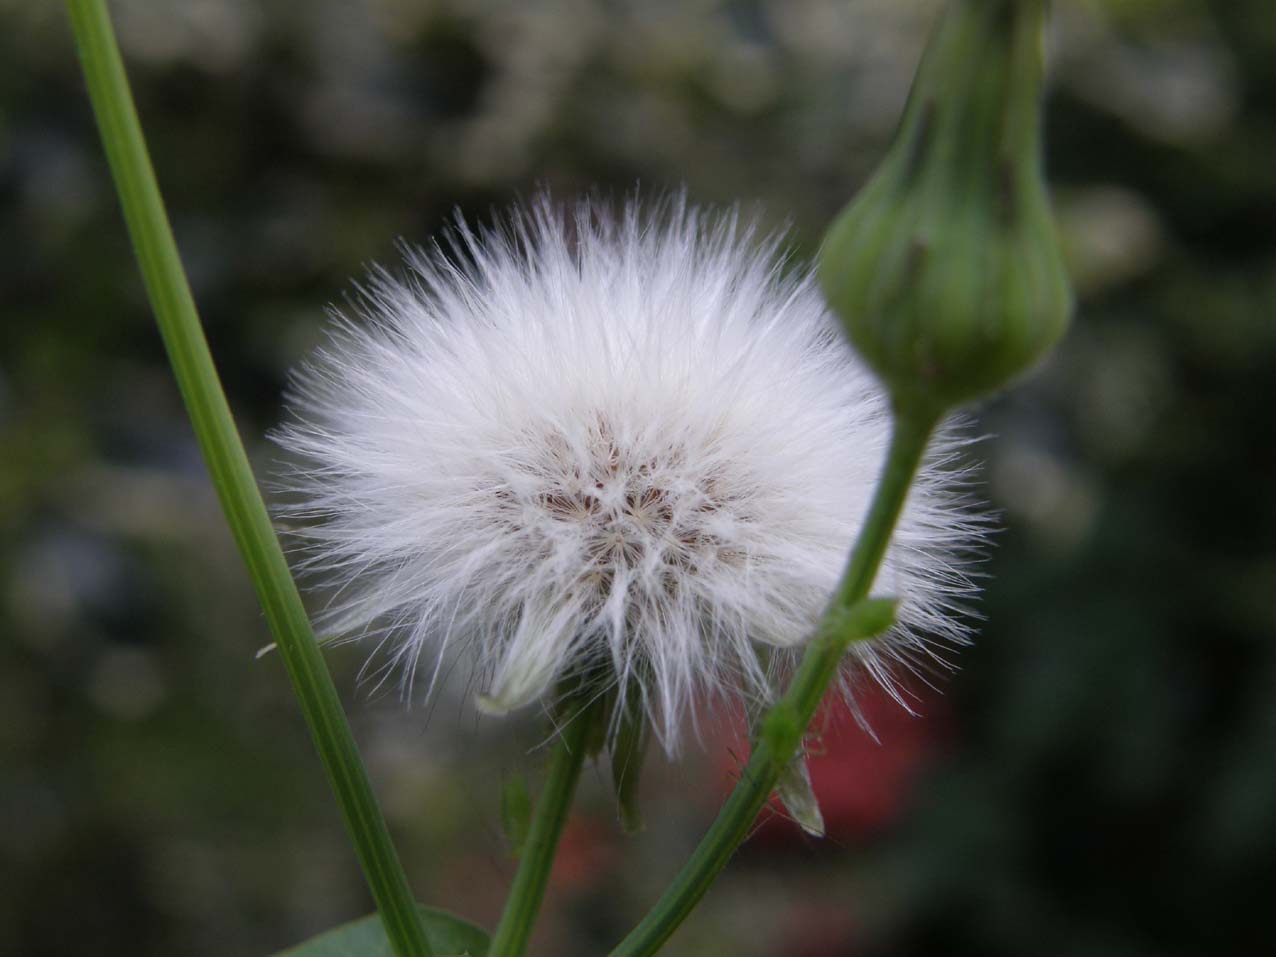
(571, 741)
(232, 477)
(785, 723)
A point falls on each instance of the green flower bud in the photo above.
(946, 269)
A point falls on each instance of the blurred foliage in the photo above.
(1097, 780)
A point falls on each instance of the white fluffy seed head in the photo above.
(582, 439)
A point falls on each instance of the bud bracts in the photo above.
(946, 269)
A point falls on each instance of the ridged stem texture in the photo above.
(785, 724)
(232, 477)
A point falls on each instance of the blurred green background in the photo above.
(1098, 779)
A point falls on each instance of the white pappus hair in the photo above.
(585, 438)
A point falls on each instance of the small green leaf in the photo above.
(798, 797)
(516, 813)
(448, 936)
(865, 619)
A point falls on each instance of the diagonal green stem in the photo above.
(528, 890)
(232, 477)
(785, 724)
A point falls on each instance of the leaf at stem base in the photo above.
(449, 936)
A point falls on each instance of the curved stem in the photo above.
(232, 477)
(786, 722)
(528, 890)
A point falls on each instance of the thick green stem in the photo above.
(786, 722)
(528, 890)
(232, 477)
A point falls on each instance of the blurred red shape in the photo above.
(586, 851)
(862, 784)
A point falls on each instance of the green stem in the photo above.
(528, 890)
(772, 752)
(232, 477)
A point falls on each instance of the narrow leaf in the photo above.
(798, 797)
(627, 751)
